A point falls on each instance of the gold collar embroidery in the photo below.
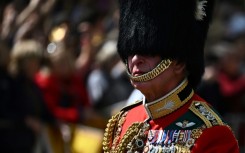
(170, 102)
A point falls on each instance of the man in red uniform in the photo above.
(161, 43)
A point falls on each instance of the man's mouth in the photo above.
(138, 73)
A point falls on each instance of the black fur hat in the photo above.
(174, 29)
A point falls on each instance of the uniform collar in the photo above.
(170, 102)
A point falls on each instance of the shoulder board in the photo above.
(128, 107)
(207, 114)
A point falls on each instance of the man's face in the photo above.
(160, 85)
(139, 64)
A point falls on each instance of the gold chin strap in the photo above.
(161, 67)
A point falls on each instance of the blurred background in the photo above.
(61, 78)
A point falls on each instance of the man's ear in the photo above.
(179, 67)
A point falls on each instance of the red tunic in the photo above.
(64, 99)
(190, 125)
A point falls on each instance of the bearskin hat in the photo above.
(173, 29)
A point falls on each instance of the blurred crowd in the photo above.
(223, 83)
(61, 77)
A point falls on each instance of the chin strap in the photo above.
(161, 67)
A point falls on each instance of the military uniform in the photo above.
(180, 122)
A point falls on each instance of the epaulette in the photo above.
(206, 114)
(128, 107)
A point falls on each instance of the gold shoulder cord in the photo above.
(131, 132)
(110, 131)
(132, 140)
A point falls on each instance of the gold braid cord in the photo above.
(109, 131)
(111, 142)
(131, 132)
(153, 73)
